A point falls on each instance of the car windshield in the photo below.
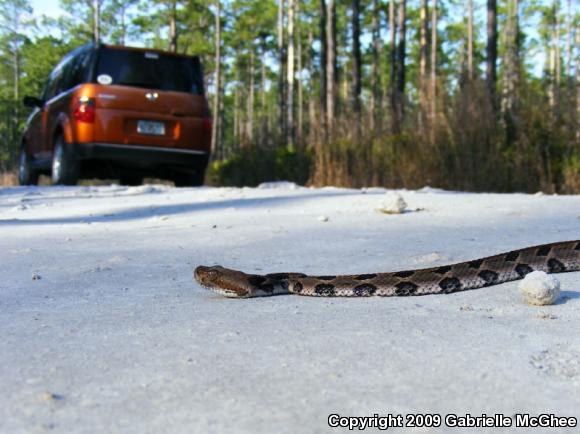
(149, 70)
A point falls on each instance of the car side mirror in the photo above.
(32, 102)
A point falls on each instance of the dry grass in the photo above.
(8, 179)
(469, 147)
(571, 183)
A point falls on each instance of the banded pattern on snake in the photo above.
(552, 258)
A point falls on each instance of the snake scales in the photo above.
(552, 258)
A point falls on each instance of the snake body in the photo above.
(552, 258)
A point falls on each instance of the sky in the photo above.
(46, 7)
(51, 8)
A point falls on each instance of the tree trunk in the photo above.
(491, 60)
(16, 62)
(238, 97)
(511, 71)
(423, 50)
(393, 64)
(401, 68)
(173, 27)
(577, 80)
(122, 35)
(16, 113)
(282, 64)
(310, 68)
(558, 71)
(331, 65)
(423, 53)
(552, 63)
(470, 40)
(264, 127)
(433, 96)
(343, 90)
(299, 83)
(569, 18)
(216, 100)
(250, 109)
(323, 61)
(96, 21)
(511, 64)
(236, 112)
(554, 54)
(375, 103)
(290, 76)
(222, 127)
(356, 64)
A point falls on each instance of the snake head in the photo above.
(224, 281)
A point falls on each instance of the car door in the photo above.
(40, 120)
(33, 136)
(58, 102)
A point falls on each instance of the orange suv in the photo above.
(119, 112)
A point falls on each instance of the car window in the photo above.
(71, 71)
(44, 93)
(54, 82)
(150, 70)
(60, 78)
(67, 70)
(79, 69)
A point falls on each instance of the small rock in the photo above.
(466, 308)
(546, 315)
(323, 218)
(36, 276)
(539, 288)
(278, 185)
(393, 203)
(49, 396)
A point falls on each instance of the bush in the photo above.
(252, 166)
(571, 175)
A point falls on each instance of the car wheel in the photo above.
(65, 169)
(130, 180)
(194, 179)
(26, 174)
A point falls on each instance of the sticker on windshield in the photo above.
(150, 55)
(104, 79)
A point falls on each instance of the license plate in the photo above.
(151, 127)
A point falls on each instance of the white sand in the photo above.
(103, 330)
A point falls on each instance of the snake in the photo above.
(555, 257)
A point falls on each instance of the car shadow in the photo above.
(143, 212)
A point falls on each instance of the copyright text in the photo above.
(433, 420)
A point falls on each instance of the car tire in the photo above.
(65, 168)
(190, 179)
(26, 174)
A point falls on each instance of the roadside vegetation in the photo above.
(473, 95)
